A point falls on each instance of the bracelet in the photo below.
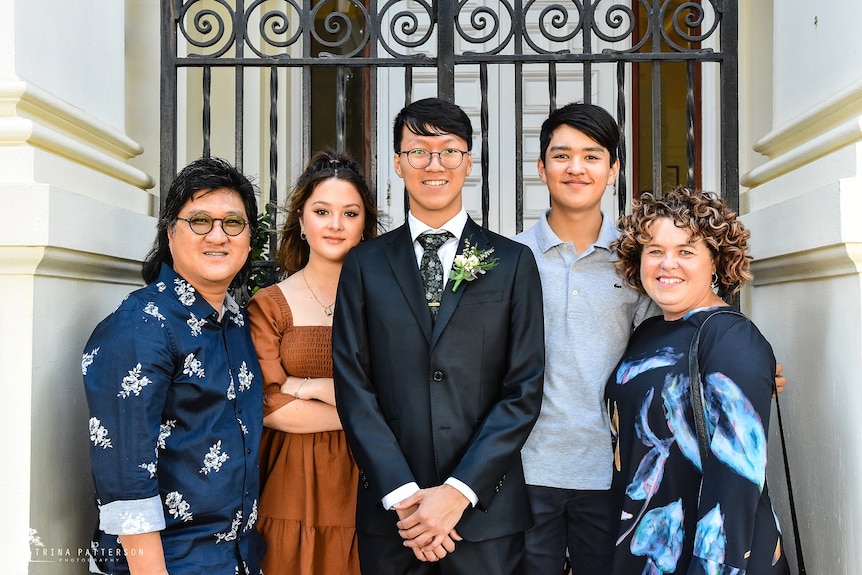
(296, 394)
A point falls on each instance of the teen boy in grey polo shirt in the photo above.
(589, 315)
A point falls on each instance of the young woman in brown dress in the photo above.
(308, 477)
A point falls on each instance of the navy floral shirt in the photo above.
(176, 411)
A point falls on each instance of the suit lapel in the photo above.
(402, 260)
(449, 301)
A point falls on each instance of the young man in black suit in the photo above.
(438, 390)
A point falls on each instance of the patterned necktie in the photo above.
(431, 269)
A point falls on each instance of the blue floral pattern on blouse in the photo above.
(678, 514)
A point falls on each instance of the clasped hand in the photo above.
(428, 519)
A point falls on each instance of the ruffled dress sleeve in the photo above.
(270, 319)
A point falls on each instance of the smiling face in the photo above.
(676, 272)
(435, 191)
(210, 262)
(576, 169)
(332, 218)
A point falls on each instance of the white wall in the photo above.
(78, 221)
(801, 145)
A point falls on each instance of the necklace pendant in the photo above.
(328, 311)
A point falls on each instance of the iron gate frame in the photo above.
(445, 17)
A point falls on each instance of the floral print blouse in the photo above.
(678, 516)
(176, 414)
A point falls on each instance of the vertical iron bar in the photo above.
(408, 85)
(656, 128)
(408, 97)
(239, 83)
(340, 115)
(446, 50)
(168, 98)
(273, 159)
(621, 120)
(729, 109)
(690, 144)
(656, 26)
(729, 105)
(519, 122)
(486, 156)
(519, 147)
(587, 28)
(372, 107)
(307, 24)
(552, 84)
(206, 112)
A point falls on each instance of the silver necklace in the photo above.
(327, 309)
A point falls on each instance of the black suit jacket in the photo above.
(421, 400)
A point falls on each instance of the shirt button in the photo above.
(438, 376)
(574, 292)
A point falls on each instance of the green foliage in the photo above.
(264, 270)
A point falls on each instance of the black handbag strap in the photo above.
(696, 388)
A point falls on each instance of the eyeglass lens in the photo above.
(449, 159)
(202, 224)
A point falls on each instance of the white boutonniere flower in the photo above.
(471, 263)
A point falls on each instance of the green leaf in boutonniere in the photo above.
(471, 263)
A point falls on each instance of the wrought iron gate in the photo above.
(545, 37)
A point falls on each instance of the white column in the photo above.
(77, 220)
(801, 111)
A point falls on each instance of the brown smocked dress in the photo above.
(308, 481)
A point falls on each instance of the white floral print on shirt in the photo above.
(164, 432)
(135, 524)
(214, 459)
(234, 529)
(192, 366)
(98, 434)
(133, 383)
(245, 377)
(196, 324)
(87, 360)
(252, 517)
(185, 292)
(149, 467)
(177, 506)
(153, 310)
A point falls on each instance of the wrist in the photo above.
(296, 393)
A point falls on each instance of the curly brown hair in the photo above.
(702, 213)
(293, 251)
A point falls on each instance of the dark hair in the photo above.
(293, 252)
(592, 120)
(701, 213)
(204, 174)
(432, 117)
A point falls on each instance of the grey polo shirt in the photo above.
(590, 313)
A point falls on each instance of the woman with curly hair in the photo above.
(308, 477)
(684, 510)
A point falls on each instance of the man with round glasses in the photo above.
(175, 396)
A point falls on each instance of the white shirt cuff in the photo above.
(399, 494)
(464, 489)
